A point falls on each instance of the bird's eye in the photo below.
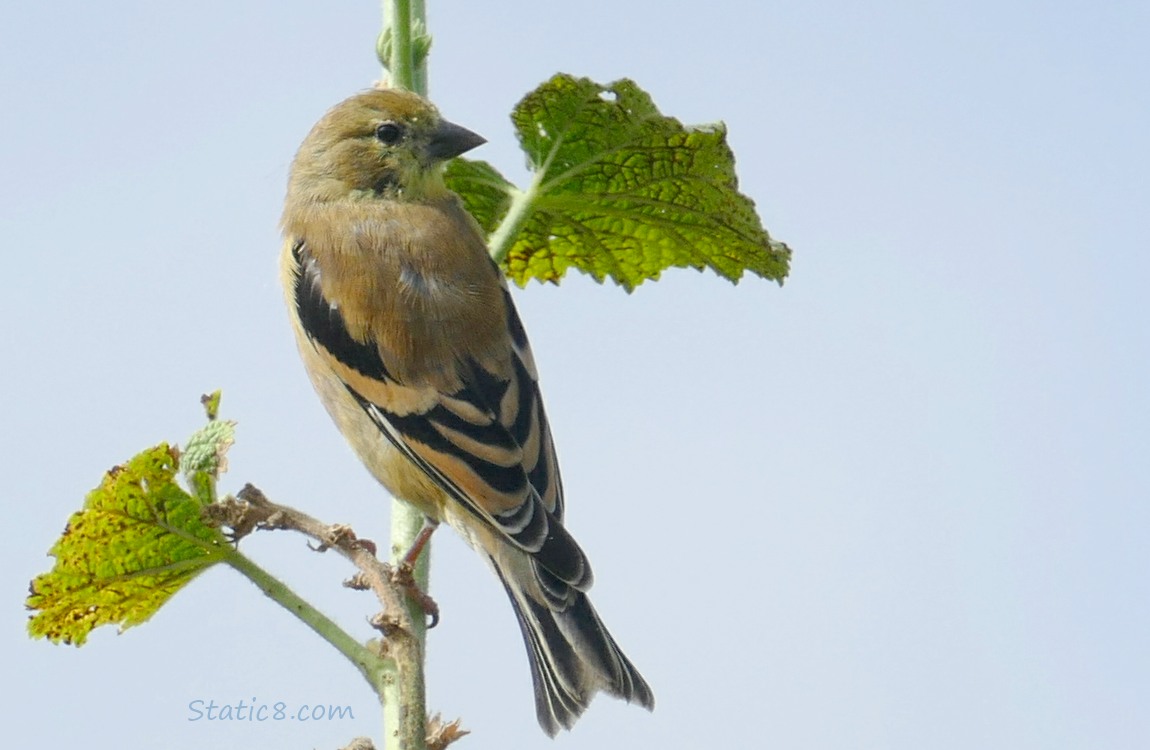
(389, 133)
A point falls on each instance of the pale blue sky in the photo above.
(899, 503)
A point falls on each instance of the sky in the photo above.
(899, 502)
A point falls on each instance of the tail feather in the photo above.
(572, 654)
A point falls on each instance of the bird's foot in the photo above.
(404, 576)
(404, 573)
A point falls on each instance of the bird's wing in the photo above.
(487, 444)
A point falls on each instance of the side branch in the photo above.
(400, 656)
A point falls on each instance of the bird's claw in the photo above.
(404, 576)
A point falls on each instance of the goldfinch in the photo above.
(408, 332)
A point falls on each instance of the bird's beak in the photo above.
(450, 140)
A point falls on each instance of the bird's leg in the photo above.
(421, 540)
(404, 574)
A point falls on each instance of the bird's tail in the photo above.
(571, 653)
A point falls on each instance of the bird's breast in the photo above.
(413, 280)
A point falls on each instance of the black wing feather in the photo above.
(508, 424)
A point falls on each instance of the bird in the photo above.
(408, 332)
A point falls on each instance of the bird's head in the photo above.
(383, 143)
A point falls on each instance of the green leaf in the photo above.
(485, 193)
(137, 541)
(620, 191)
(205, 457)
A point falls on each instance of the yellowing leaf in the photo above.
(620, 191)
(137, 541)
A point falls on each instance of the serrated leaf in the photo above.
(137, 541)
(620, 192)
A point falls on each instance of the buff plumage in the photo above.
(411, 339)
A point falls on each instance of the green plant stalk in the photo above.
(522, 202)
(404, 700)
(397, 20)
(419, 59)
(377, 670)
